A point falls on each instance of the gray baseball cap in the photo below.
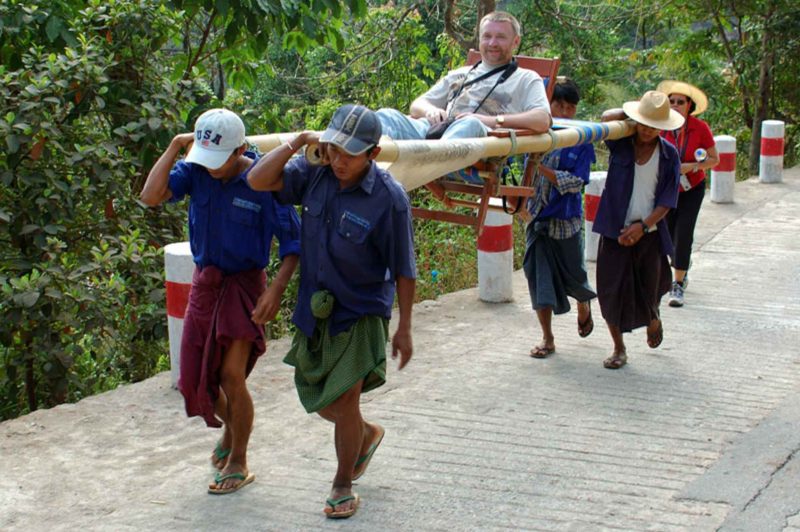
(354, 128)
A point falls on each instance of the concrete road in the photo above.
(702, 433)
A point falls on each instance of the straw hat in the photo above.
(699, 98)
(653, 110)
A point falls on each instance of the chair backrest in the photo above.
(546, 68)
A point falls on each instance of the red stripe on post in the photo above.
(771, 147)
(592, 203)
(727, 162)
(496, 238)
(177, 298)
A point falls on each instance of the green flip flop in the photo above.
(333, 503)
(220, 453)
(219, 478)
(363, 460)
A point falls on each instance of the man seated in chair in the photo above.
(472, 100)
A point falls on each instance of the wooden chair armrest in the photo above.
(505, 132)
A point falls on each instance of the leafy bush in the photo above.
(91, 93)
(80, 280)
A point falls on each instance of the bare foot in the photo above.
(655, 333)
(585, 322)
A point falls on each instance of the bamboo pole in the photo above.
(415, 163)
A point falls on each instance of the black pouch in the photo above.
(437, 130)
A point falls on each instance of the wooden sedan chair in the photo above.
(457, 194)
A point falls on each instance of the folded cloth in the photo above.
(327, 366)
(218, 312)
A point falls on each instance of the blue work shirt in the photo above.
(231, 225)
(577, 161)
(610, 219)
(355, 242)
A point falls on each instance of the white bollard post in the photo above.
(770, 166)
(723, 176)
(496, 256)
(179, 267)
(591, 200)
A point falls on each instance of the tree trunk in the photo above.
(10, 409)
(764, 89)
(451, 27)
(30, 385)
(738, 67)
(484, 8)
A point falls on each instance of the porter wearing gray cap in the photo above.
(354, 128)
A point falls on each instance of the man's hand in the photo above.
(267, 306)
(322, 151)
(435, 116)
(183, 141)
(401, 342)
(306, 137)
(629, 236)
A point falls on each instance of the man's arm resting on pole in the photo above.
(156, 188)
(267, 174)
(537, 120)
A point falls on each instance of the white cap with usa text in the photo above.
(217, 133)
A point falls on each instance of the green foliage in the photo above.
(282, 324)
(65, 318)
(385, 60)
(617, 50)
(91, 93)
(80, 280)
(447, 254)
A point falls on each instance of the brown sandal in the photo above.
(542, 351)
(616, 361)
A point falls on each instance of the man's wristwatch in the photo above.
(645, 228)
(499, 120)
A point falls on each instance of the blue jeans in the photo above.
(401, 127)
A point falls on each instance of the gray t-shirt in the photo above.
(522, 91)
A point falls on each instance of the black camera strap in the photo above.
(507, 71)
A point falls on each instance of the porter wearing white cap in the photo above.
(216, 134)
